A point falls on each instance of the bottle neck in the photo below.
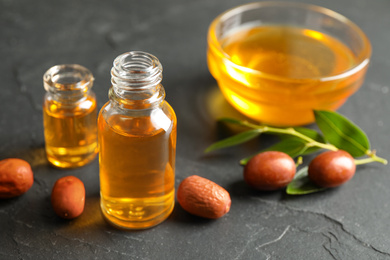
(68, 83)
(135, 78)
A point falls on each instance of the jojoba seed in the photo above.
(68, 197)
(202, 197)
(332, 168)
(269, 170)
(16, 177)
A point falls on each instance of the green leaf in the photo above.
(310, 150)
(342, 133)
(234, 140)
(290, 146)
(313, 134)
(301, 184)
(310, 133)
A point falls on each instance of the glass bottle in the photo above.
(69, 116)
(137, 139)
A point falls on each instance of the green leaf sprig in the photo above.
(338, 132)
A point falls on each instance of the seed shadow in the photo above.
(240, 189)
(4, 203)
(180, 216)
(91, 218)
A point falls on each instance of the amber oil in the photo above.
(69, 116)
(137, 136)
(278, 74)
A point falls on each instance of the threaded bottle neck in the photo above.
(135, 78)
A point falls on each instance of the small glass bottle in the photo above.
(69, 116)
(137, 139)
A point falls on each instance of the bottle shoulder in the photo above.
(138, 122)
(110, 108)
(81, 107)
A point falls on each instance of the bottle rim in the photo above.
(68, 78)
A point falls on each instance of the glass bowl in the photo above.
(276, 62)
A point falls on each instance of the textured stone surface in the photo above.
(350, 222)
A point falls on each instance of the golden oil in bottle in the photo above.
(69, 116)
(278, 74)
(137, 138)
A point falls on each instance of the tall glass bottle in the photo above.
(137, 139)
(69, 116)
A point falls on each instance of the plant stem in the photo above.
(313, 143)
(293, 132)
(372, 158)
(299, 161)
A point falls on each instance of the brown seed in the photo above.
(16, 177)
(269, 170)
(332, 168)
(68, 197)
(202, 197)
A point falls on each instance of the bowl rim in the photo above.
(362, 59)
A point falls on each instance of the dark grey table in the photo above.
(350, 222)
